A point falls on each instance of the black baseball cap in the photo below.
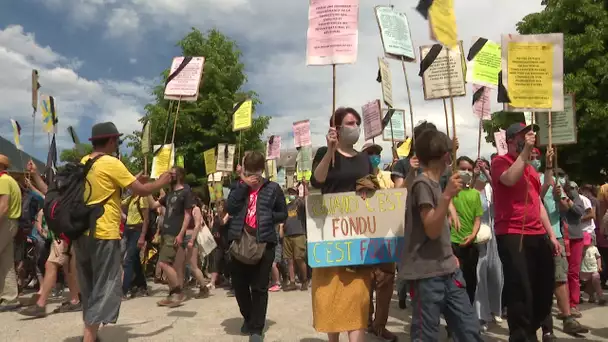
(518, 128)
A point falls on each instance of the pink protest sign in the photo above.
(332, 32)
(481, 107)
(372, 119)
(500, 138)
(185, 78)
(273, 147)
(301, 133)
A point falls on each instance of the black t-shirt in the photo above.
(344, 174)
(175, 203)
(296, 218)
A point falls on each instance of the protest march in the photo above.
(462, 196)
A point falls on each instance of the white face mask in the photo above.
(466, 177)
(349, 135)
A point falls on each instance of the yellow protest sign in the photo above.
(404, 149)
(242, 118)
(530, 74)
(442, 20)
(211, 192)
(161, 162)
(485, 66)
(209, 157)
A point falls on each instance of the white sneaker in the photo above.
(211, 286)
(497, 319)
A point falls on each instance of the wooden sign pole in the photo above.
(409, 99)
(454, 150)
(179, 101)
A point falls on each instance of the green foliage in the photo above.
(208, 121)
(500, 120)
(75, 154)
(585, 27)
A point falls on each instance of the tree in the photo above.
(74, 155)
(585, 27)
(203, 124)
(500, 120)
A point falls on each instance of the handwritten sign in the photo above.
(210, 163)
(225, 157)
(387, 81)
(301, 133)
(533, 71)
(332, 32)
(343, 229)
(500, 138)
(435, 79)
(372, 120)
(563, 125)
(242, 118)
(161, 162)
(186, 82)
(273, 147)
(398, 124)
(442, 20)
(483, 69)
(395, 34)
(482, 107)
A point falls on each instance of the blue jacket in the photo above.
(271, 209)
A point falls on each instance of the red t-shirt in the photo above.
(250, 219)
(510, 203)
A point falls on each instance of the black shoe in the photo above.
(245, 329)
(573, 327)
(402, 304)
(549, 337)
(34, 311)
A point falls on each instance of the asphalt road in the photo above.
(217, 319)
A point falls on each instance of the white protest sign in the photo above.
(185, 83)
(398, 124)
(563, 125)
(395, 33)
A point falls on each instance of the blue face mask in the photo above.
(483, 178)
(535, 164)
(291, 198)
(375, 160)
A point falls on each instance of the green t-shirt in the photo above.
(468, 206)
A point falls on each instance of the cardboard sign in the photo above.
(372, 120)
(398, 124)
(563, 125)
(161, 162)
(243, 116)
(387, 81)
(395, 34)
(500, 138)
(343, 229)
(225, 157)
(301, 133)
(186, 81)
(209, 159)
(484, 67)
(435, 79)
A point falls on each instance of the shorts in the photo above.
(168, 250)
(294, 247)
(561, 265)
(187, 238)
(59, 253)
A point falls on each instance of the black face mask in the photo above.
(520, 146)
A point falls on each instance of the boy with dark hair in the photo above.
(428, 263)
(256, 206)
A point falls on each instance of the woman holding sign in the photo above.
(340, 295)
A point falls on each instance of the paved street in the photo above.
(217, 319)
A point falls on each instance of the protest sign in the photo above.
(271, 170)
(343, 229)
(332, 32)
(386, 81)
(484, 63)
(209, 159)
(184, 78)
(281, 179)
(372, 121)
(304, 163)
(301, 133)
(434, 71)
(225, 157)
(161, 162)
(398, 123)
(273, 147)
(500, 138)
(242, 117)
(533, 72)
(442, 20)
(395, 34)
(563, 125)
(481, 104)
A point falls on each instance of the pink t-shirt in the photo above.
(251, 209)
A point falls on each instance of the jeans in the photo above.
(529, 275)
(250, 283)
(468, 257)
(574, 268)
(132, 263)
(432, 297)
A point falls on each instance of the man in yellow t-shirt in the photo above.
(98, 257)
(10, 211)
(383, 275)
(134, 238)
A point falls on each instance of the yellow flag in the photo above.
(16, 134)
(404, 149)
(49, 113)
(242, 116)
(442, 20)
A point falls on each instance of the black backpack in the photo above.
(65, 208)
(152, 225)
(29, 210)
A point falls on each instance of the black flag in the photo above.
(51, 163)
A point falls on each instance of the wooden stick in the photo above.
(333, 109)
(445, 111)
(409, 98)
(145, 163)
(173, 135)
(169, 110)
(479, 137)
(454, 150)
(239, 147)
